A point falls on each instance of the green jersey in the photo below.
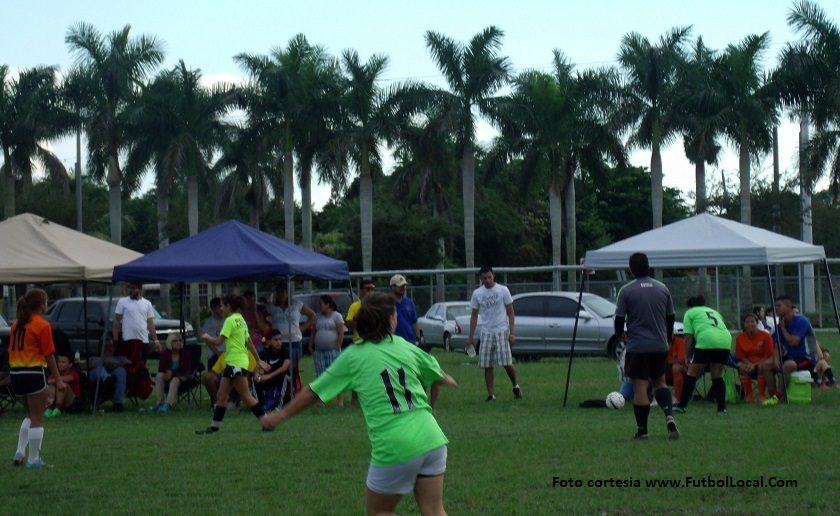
(708, 328)
(387, 377)
(235, 332)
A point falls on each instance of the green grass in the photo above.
(502, 456)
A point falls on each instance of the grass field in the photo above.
(503, 457)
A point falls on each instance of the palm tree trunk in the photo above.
(114, 181)
(656, 179)
(570, 229)
(192, 221)
(8, 184)
(366, 211)
(440, 290)
(162, 198)
(306, 208)
(808, 301)
(777, 209)
(254, 216)
(79, 217)
(700, 206)
(555, 217)
(468, 173)
(746, 213)
(289, 195)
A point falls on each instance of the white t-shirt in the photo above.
(135, 318)
(326, 338)
(491, 303)
(284, 319)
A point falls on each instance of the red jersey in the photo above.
(74, 383)
(30, 345)
(754, 349)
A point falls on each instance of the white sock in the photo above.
(23, 436)
(36, 435)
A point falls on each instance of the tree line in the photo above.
(555, 178)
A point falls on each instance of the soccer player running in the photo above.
(388, 372)
(31, 349)
(496, 306)
(706, 334)
(236, 338)
(648, 310)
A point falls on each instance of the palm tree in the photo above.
(278, 98)
(77, 94)
(650, 109)
(557, 125)
(368, 121)
(474, 73)
(748, 111)
(32, 114)
(176, 126)
(118, 64)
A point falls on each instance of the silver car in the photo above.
(544, 323)
(438, 325)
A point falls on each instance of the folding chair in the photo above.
(190, 388)
(7, 399)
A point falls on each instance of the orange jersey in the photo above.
(677, 349)
(30, 345)
(753, 349)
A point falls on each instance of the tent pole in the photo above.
(85, 312)
(831, 291)
(574, 338)
(102, 349)
(776, 322)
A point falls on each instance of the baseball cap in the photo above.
(398, 280)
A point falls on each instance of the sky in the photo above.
(206, 34)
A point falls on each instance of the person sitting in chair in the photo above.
(110, 366)
(754, 350)
(273, 385)
(175, 365)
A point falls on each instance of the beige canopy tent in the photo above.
(35, 250)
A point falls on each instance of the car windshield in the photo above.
(599, 305)
(457, 311)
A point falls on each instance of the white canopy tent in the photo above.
(706, 241)
(36, 250)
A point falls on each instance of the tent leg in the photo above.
(776, 330)
(574, 338)
(831, 291)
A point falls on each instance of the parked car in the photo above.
(343, 299)
(5, 333)
(544, 323)
(438, 324)
(66, 316)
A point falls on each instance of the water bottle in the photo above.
(78, 357)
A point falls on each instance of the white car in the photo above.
(438, 325)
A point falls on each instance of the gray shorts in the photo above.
(494, 349)
(400, 478)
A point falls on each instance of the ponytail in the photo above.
(29, 303)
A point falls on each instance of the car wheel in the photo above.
(447, 342)
(616, 348)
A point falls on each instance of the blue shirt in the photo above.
(799, 327)
(406, 317)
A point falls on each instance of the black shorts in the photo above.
(645, 365)
(802, 363)
(232, 372)
(26, 381)
(710, 356)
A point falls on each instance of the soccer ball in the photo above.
(614, 400)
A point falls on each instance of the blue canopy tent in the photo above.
(231, 252)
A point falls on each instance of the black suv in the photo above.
(66, 316)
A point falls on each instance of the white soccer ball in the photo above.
(615, 400)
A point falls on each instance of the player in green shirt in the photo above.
(235, 336)
(409, 448)
(706, 334)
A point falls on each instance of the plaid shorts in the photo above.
(494, 349)
(323, 359)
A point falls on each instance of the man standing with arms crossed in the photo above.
(646, 305)
(136, 318)
(496, 306)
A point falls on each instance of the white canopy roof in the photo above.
(35, 250)
(705, 240)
